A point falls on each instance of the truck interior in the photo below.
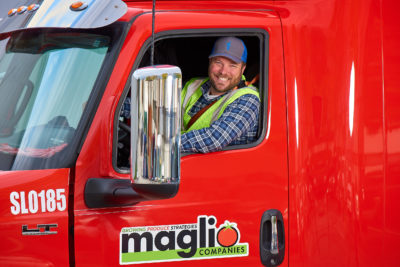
(190, 53)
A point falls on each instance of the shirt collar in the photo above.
(205, 88)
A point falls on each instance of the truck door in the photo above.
(229, 201)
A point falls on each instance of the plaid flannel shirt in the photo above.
(237, 125)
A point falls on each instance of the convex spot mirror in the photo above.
(155, 131)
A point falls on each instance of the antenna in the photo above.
(152, 32)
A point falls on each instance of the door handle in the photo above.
(272, 238)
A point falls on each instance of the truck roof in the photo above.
(18, 14)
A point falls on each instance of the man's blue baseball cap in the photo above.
(230, 47)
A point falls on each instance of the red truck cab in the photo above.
(317, 188)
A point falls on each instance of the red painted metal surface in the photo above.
(343, 125)
(391, 58)
(26, 201)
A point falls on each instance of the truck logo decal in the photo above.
(42, 229)
(177, 242)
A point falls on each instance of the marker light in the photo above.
(78, 6)
(21, 9)
(33, 7)
(12, 12)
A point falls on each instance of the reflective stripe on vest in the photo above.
(192, 92)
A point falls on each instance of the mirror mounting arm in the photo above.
(110, 192)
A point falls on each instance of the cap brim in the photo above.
(235, 59)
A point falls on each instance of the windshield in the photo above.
(46, 79)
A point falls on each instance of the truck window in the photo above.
(191, 55)
(46, 80)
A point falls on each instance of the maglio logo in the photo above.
(176, 242)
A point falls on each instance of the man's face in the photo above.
(224, 74)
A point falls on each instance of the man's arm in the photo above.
(238, 118)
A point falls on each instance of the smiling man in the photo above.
(220, 110)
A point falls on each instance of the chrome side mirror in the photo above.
(155, 131)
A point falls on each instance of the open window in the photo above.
(190, 53)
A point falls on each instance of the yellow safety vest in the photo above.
(192, 92)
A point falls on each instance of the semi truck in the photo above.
(91, 171)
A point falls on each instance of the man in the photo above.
(220, 110)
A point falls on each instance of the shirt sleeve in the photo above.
(239, 117)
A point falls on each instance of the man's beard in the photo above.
(231, 86)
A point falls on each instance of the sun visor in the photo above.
(24, 14)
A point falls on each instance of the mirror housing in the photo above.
(155, 141)
(155, 131)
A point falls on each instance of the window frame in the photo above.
(263, 70)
